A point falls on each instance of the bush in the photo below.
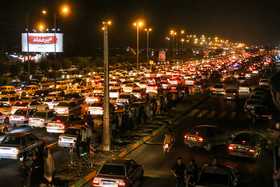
(5, 81)
(24, 77)
(38, 77)
(52, 74)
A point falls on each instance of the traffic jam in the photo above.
(62, 108)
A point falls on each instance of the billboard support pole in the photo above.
(54, 23)
(106, 115)
(27, 31)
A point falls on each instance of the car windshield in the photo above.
(72, 131)
(48, 100)
(213, 179)
(124, 96)
(63, 104)
(11, 140)
(199, 131)
(4, 99)
(112, 170)
(27, 88)
(245, 139)
(21, 104)
(218, 86)
(21, 112)
(40, 114)
(60, 118)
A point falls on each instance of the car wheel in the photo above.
(208, 147)
(46, 108)
(6, 120)
(190, 145)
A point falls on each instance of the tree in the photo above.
(98, 62)
(33, 66)
(45, 65)
(113, 60)
(66, 64)
(16, 69)
(84, 63)
(55, 65)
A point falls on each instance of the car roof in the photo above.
(122, 161)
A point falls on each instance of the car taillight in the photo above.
(29, 120)
(121, 184)
(42, 121)
(234, 93)
(55, 108)
(22, 118)
(74, 141)
(11, 117)
(66, 109)
(230, 148)
(59, 139)
(62, 126)
(58, 121)
(49, 125)
(252, 151)
(200, 139)
(186, 136)
(95, 182)
(15, 151)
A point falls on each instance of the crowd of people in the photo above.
(41, 169)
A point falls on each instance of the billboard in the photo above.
(42, 42)
(161, 56)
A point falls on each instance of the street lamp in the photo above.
(173, 33)
(64, 10)
(106, 115)
(148, 31)
(137, 25)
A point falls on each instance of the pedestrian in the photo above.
(193, 169)
(88, 119)
(158, 105)
(23, 169)
(83, 140)
(40, 158)
(89, 137)
(35, 175)
(179, 171)
(48, 167)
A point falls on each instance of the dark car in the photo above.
(31, 82)
(61, 122)
(79, 81)
(205, 136)
(122, 172)
(79, 98)
(41, 93)
(19, 145)
(259, 113)
(217, 175)
(247, 144)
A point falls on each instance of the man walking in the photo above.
(179, 171)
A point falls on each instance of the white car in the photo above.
(52, 101)
(69, 136)
(39, 105)
(96, 108)
(41, 118)
(98, 90)
(219, 89)
(4, 118)
(10, 100)
(137, 93)
(129, 87)
(5, 108)
(114, 93)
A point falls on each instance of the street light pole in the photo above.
(137, 50)
(27, 34)
(54, 23)
(148, 32)
(106, 114)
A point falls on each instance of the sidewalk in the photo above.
(83, 169)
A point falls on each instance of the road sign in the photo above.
(71, 149)
(91, 150)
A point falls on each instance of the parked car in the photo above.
(41, 118)
(247, 144)
(61, 122)
(19, 145)
(122, 172)
(205, 136)
(217, 175)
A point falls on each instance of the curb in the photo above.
(121, 155)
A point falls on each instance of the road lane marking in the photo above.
(212, 114)
(222, 114)
(193, 112)
(202, 113)
(51, 144)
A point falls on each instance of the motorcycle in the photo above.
(167, 147)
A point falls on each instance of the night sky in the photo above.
(253, 22)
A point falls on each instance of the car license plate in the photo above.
(108, 182)
(228, 97)
(192, 138)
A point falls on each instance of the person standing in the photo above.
(23, 169)
(179, 171)
(48, 167)
(83, 139)
(78, 143)
(193, 169)
(35, 176)
(158, 105)
(89, 137)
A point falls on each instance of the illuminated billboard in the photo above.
(42, 42)
(161, 56)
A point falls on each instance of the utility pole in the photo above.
(148, 32)
(27, 34)
(54, 23)
(106, 114)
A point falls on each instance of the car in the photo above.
(9, 93)
(98, 90)
(241, 80)
(4, 118)
(29, 90)
(8, 88)
(60, 85)
(96, 108)
(142, 84)
(37, 104)
(79, 81)
(92, 98)
(129, 87)
(5, 108)
(190, 82)
(219, 89)
(19, 145)
(250, 103)
(41, 93)
(122, 172)
(61, 122)
(205, 136)
(10, 100)
(41, 118)
(69, 136)
(2, 135)
(52, 101)
(137, 92)
(231, 94)
(78, 97)
(264, 82)
(154, 88)
(114, 93)
(67, 107)
(165, 85)
(217, 175)
(247, 144)
(244, 89)
(259, 113)
(125, 98)
(21, 116)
